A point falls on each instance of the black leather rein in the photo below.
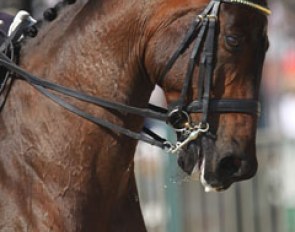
(201, 32)
(43, 86)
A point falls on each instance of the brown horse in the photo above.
(60, 172)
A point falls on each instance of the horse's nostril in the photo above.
(228, 166)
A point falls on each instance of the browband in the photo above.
(256, 6)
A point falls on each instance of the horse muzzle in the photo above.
(217, 167)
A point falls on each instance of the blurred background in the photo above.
(171, 202)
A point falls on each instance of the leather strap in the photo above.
(207, 60)
(202, 24)
(192, 64)
(190, 36)
(144, 112)
(42, 86)
(227, 106)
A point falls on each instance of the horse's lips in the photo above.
(197, 171)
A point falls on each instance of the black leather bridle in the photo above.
(202, 33)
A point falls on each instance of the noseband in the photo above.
(203, 33)
(205, 26)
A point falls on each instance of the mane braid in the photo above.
(51, 13)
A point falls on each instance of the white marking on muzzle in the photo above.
(207, 187)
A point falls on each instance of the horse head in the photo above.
(221, 97)
(100, 60)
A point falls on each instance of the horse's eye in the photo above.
(232, 41)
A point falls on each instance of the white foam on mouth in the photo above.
(196, 173)
(207, 187)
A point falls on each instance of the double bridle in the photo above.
(202, 33)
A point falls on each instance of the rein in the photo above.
(43, 86)
(202, 31)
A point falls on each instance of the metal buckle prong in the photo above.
(214, 17)
(201, 17)
(193, 135)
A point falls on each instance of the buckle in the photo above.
(193, 135)
(179, 120)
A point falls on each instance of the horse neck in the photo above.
(89, 47)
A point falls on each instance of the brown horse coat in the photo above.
(59, 172)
